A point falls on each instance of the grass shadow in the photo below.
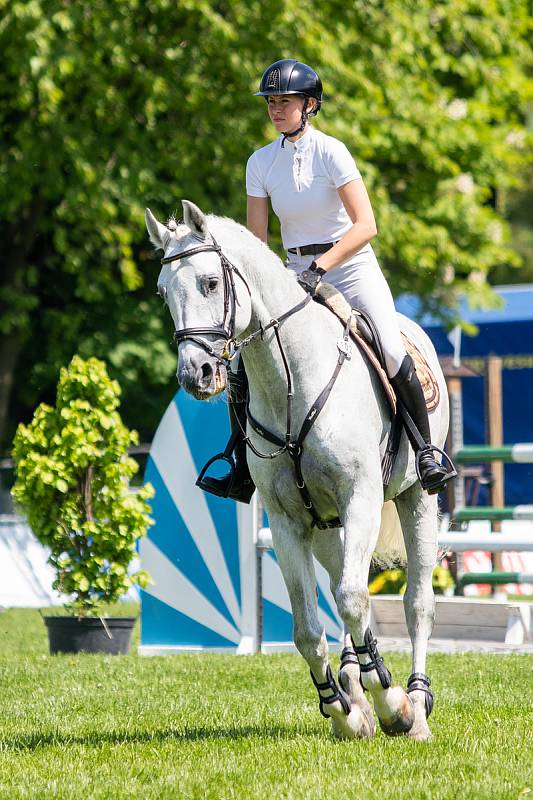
(35, 740)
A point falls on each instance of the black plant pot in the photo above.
(111, 635)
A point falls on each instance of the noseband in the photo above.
(226, 329)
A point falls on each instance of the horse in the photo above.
(229, 293)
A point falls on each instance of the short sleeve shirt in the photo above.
(301, 180)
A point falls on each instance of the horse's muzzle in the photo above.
(203, 381)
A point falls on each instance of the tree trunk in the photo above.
(11, 347)
(20, 237)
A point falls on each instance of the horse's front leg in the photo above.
(392, 705)
(293, 551)
(329, 550)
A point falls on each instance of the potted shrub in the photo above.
(72, 481)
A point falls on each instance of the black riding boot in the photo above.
(237, 483)
(408, 390)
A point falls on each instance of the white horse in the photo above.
(239, 280)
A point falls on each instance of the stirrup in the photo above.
(370, 648)
(438, 483)
(338, 693)
(212, 488)
(418, 682)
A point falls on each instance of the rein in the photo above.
(232, 347)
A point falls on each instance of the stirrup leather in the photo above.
(418, 682)
(337, 693)
(370, 648)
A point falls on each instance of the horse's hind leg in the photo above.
(293, 552)
(418, 516)
(392, 705)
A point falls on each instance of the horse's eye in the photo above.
(212, 284)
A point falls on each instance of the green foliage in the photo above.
(72, 481)
(389, 581)
(442, 579)
(394, 581)
(111, 106)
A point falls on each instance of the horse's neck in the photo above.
(307, 339)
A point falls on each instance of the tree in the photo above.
(110, 106)
(73, 477)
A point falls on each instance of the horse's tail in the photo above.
(390, 548)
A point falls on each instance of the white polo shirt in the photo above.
(301, 180)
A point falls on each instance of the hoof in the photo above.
(349, 680)
(353, 726)
(403, 720)
(420, 731)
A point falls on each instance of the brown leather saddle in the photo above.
(364, 334)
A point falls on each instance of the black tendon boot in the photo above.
(409, 392)
(237, 483)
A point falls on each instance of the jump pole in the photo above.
(458, 541)
(493, 513)
(495, 578)
(521, 453)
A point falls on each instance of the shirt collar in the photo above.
(302, 143)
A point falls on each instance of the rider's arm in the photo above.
(257, 216)
(357, 203)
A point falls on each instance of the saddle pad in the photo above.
(337, 303)
(425, 374)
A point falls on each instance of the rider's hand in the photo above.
(310, 278)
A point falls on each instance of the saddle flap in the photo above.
(364, 336)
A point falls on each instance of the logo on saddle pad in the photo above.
(274, 79)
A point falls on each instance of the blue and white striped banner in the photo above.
(201, 550)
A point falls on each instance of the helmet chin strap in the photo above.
(303, 123)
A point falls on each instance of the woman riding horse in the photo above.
(327, 224)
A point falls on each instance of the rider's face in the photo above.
(285, 111)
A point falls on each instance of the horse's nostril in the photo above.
(207, 371)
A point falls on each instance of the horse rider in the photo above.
(327, 223)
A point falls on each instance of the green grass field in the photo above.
(215, 726)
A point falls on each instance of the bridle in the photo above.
(226, 329)
(232, 347)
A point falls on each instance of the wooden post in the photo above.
(494, 437)
(455, 493)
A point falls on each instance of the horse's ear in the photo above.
(159, 234)
(194, 219)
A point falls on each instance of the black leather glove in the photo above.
(310, 278)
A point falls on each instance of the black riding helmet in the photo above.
(289, 76)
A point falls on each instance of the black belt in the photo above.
(311, 249)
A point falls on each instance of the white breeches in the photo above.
(363, 284)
